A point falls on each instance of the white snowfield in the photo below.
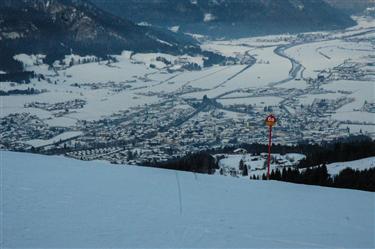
(63, 136)
(361, 164)
(55, 202)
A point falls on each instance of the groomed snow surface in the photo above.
(55, 202)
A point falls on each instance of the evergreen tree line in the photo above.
(19, 77)
(199, 163)
(339, 152)
(347, 178)
(348, 149)
(28, 91)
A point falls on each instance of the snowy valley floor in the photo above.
(55, 202)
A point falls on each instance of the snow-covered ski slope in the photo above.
(55, 202)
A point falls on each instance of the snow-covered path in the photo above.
(58, 202)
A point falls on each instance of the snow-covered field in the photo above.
(255, 101)
(63, 136)
(55, 202)
(361, 92)
(361, 164)
(327, 54)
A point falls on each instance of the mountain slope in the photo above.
(59, 27)
(227, 17)
(51, 201)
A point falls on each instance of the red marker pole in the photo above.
(269, 152)
(270, 121)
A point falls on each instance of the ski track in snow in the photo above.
(52, 201)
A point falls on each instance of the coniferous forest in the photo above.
(347, 178)
(307, 172)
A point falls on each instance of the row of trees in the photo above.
(19, 76)
(348, 149)
(339, 151)
(347, 178)
(28, 91)
(198, 163)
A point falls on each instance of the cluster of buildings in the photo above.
(71, 104)
(351, 70)
(17, 129)
(177, 125)
(241, 164)
(368, 107)
(172, 129)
